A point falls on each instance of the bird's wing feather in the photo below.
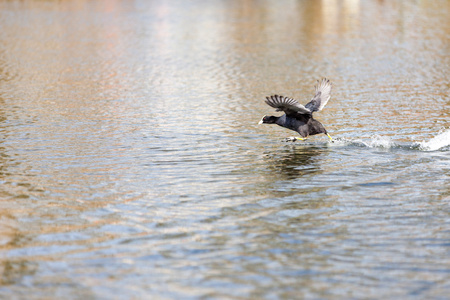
(288, 105)
(321, 97)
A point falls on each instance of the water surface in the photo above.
(132, 165)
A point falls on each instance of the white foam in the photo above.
(379, 141)
(376, 141)
(440, 141)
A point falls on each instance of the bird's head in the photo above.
(268, 120)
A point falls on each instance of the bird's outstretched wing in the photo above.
(320, 99)
(288, 105)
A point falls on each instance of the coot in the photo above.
(298, 117)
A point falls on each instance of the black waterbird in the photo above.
(298, 117)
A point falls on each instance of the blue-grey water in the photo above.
(132, 165)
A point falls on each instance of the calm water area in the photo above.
(132, 165)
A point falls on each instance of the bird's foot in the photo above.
(293, 139)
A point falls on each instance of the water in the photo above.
(132, 165)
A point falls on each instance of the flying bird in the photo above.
(298, 117)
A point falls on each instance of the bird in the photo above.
(298, 117)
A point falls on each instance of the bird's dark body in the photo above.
(305, 125)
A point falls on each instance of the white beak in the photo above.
(260, 122)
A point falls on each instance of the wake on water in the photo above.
(439, 142)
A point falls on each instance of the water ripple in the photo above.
(132, 164)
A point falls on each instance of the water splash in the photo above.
(440, 141)
(378, 141)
